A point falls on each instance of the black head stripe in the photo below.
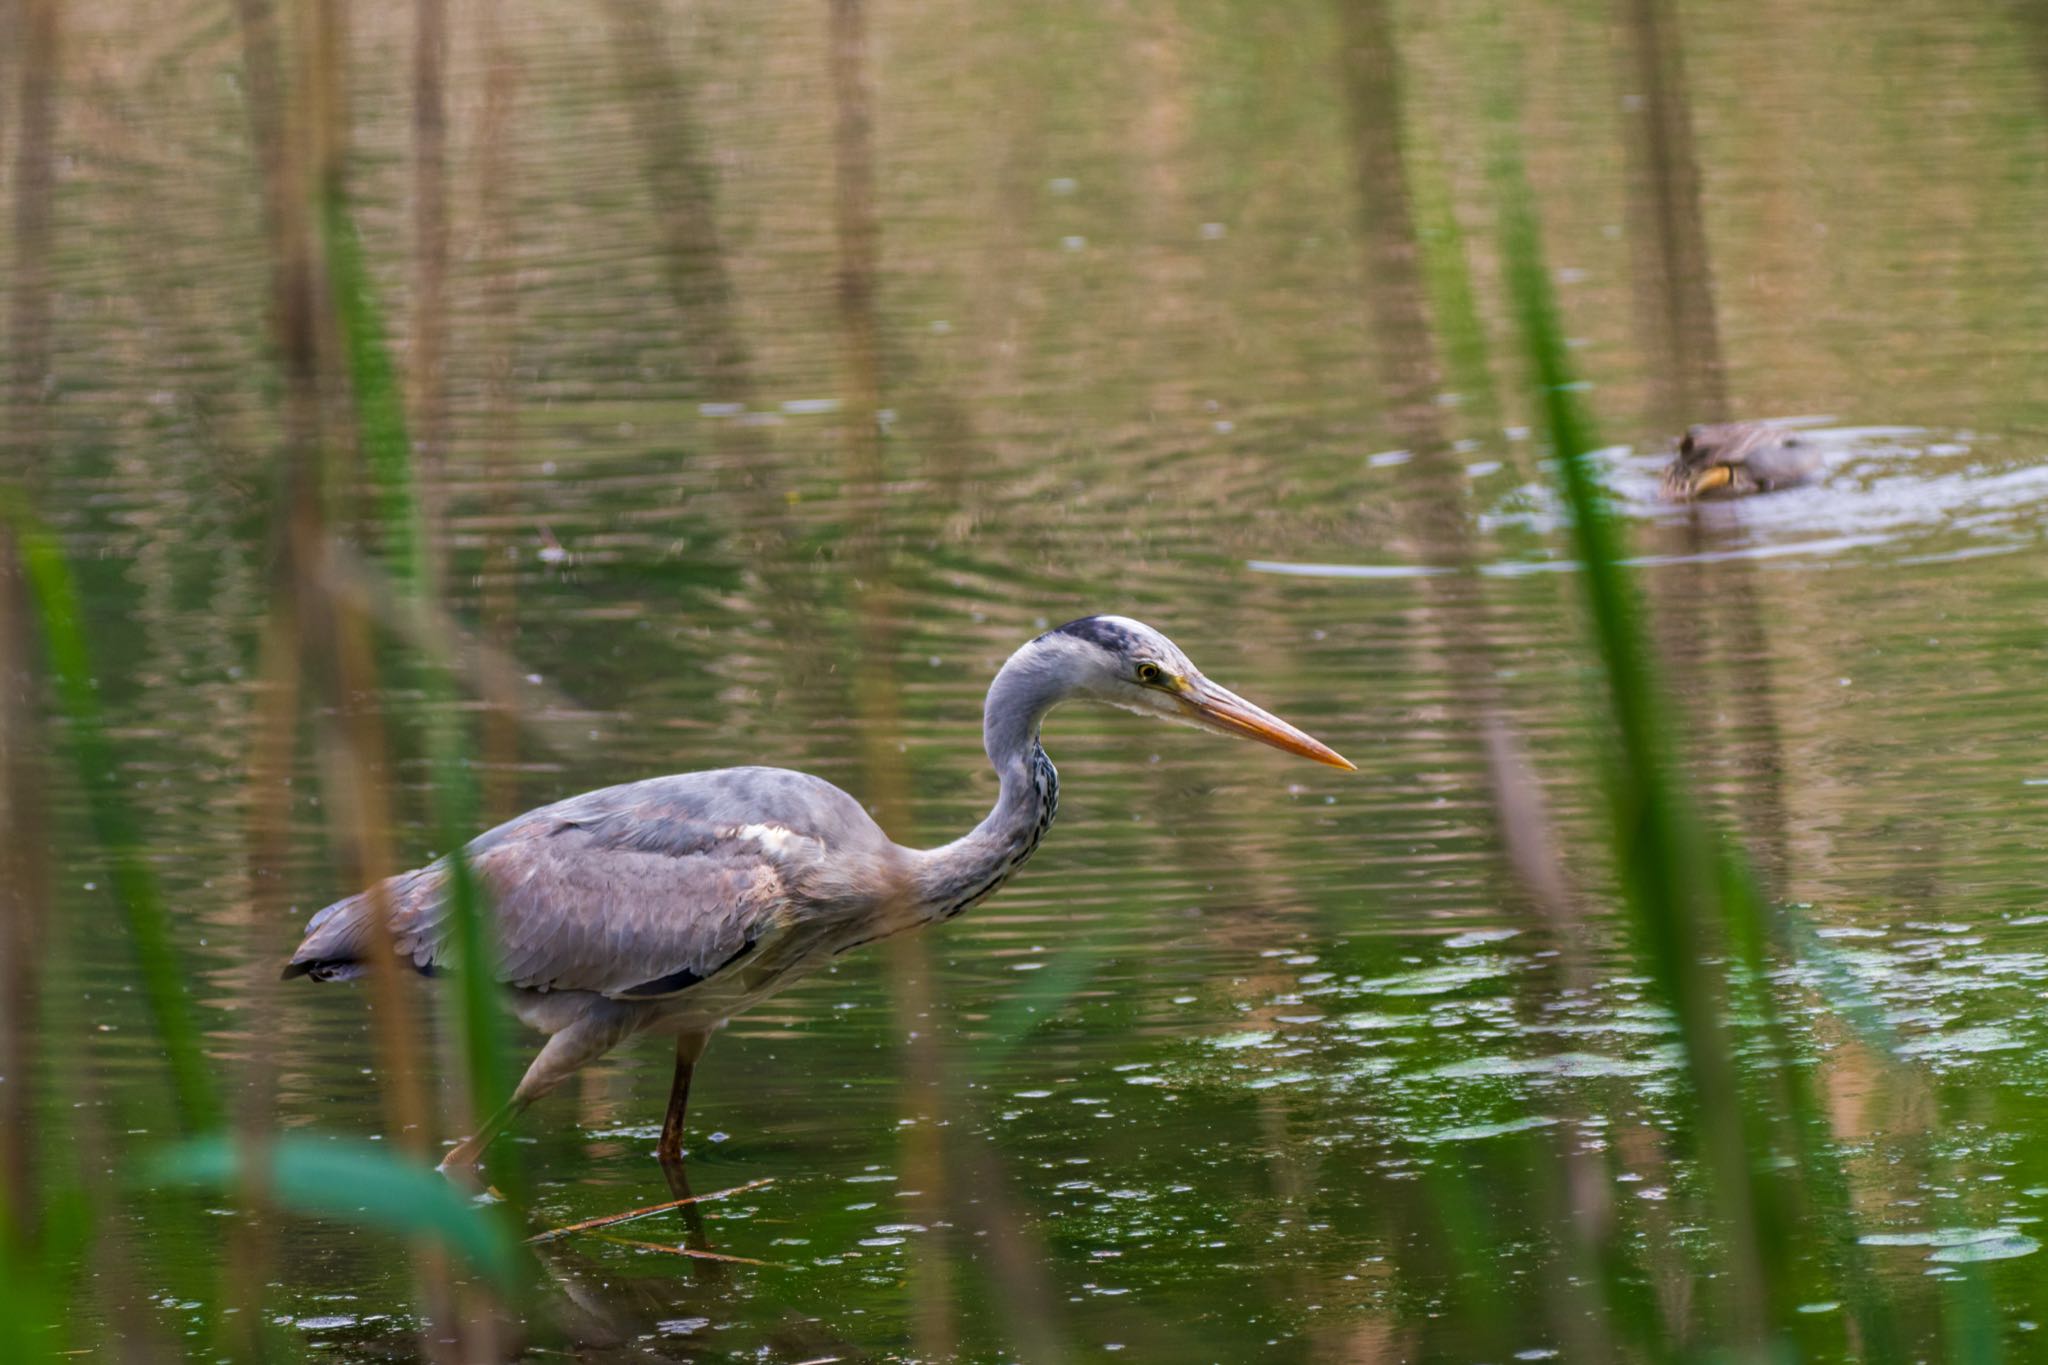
(1098, 630)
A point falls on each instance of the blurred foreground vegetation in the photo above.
(419, 412)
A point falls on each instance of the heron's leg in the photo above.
(689, 1047)
(566, 1052)
(463, 1155)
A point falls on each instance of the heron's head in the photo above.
(1127, 663)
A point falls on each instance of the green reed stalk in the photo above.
(1593, 1294)
(28, 1220)
(381, 429)
(1600, 1297)
(55, 595)
(1669, 871)
(1694, 897)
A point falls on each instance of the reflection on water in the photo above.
(774, 409)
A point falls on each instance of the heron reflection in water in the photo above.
(670, 905)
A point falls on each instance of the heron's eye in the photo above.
(1150, 674)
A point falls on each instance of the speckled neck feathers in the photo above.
(952, 878)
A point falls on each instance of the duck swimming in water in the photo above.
(1731, 459)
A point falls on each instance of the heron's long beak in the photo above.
(1220, 709)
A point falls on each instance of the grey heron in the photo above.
(670, 905)
(1729, 459)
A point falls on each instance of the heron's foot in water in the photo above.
(461, 1168)
(461, 1161)
(676, 1172)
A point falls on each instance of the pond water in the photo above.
(1257, 1060)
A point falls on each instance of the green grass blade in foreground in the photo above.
(379, 407)
(55, 594)
(357, 1181)
(380, 419)
(43, 1274)
(1691, 898)
(1661, 852)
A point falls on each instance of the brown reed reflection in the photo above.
(1527, 856)
(1709, 620)
(678, 170)
(498, 309)
(24, 901)
(426, 355)
(24, 875)
(676, 164)
(877, 698)
(36, 33)
(23, 907)
(1673, 276)
(313, 636)
(1404, 362)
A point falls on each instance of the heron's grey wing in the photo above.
(573, 911)
(640, 890)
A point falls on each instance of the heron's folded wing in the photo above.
(598, 905)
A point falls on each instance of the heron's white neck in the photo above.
(952, 878)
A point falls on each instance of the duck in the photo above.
(1720, 460)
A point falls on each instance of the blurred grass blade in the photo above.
(55, 596)
(26, 1309)
(379, 410)
(380, 421)
(1694, 900)
(357, 1181)
(1667, 870)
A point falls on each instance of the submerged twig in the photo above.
(612, 1219)
(692, 1252)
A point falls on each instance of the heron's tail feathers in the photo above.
(337, 942)
(324, 969)
(337, 946)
